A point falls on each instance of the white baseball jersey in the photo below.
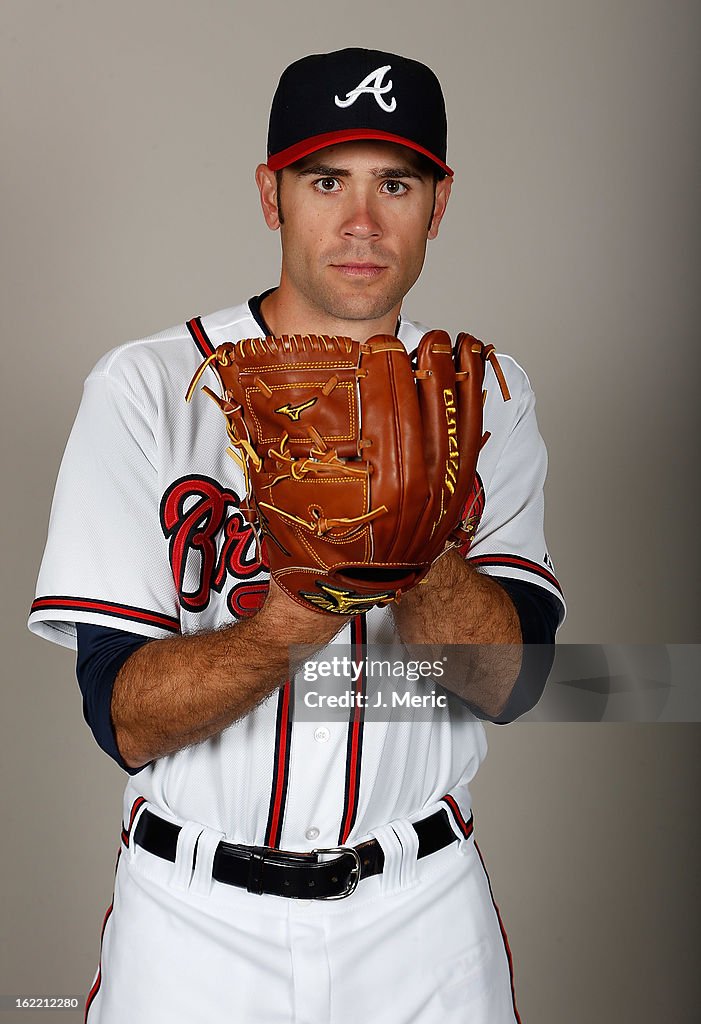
(146, 535)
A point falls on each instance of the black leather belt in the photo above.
(261, 869)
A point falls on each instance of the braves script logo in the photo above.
(210, 541)
(371, 84)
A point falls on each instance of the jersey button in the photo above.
(312, 833)
(322, 734)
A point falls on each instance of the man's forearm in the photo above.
(175, 692)
(457, 605)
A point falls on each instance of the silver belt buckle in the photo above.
(354, 877)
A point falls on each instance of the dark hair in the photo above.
(278, 182)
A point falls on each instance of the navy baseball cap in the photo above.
(351, 94)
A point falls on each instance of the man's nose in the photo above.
(362, 220)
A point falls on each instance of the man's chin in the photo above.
(360, 307)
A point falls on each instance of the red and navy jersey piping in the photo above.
(503, 935)
(516, 562)
(98, 980)
(202, 340)
(354, 744)
(199, 336)
(130, 612)
(281, 767)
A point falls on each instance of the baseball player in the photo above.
(273, 868)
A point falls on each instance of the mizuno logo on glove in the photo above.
(295, 411)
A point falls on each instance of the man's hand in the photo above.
(175, 692)
(457, 605)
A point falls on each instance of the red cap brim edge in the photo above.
(276, 161)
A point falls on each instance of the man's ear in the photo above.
(443, 188)
(267, 186)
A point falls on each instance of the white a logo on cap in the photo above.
(372, 84)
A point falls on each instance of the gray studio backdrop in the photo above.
(130, 132)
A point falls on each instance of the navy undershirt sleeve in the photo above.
(101, 653)
(539, 613)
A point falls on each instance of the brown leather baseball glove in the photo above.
(359, 458)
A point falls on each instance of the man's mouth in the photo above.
(359, 269)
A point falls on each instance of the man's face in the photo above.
(357, 217)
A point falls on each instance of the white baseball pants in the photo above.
(422, 943)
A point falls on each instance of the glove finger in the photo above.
(469, 362)
(392, 425)
(435, 385)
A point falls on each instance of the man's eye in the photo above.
(395, 188)
(327, 184)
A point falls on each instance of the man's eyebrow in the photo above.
(323, 171)
(327, 171)
(403, 171)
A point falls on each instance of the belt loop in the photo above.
(392, 849)
(461, 825)
(184, 854)
(201, 884)
(408, 872)
(131, 846)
